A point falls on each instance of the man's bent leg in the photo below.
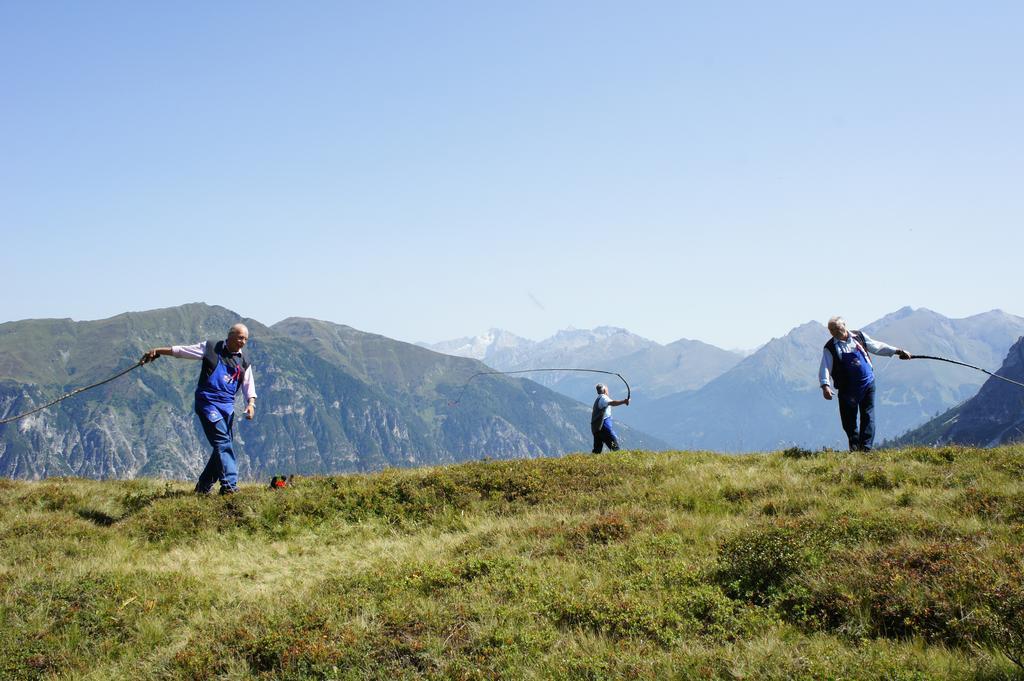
(609, 436)
(848, 416)
(209, 475)
(211, 422)
(867, 418)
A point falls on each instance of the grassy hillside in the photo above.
(908, 564)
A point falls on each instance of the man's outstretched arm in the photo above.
(877, 347)
(194, 351)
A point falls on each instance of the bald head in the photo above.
(837, 327)
(238, 336)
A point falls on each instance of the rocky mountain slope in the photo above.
(993, 417)
(771, 399)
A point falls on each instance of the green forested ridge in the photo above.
(905, 564)
(332, 399)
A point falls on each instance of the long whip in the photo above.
(969, 366)
(72, 393)
(527, 371)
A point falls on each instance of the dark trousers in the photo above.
(217, 422)
(851, 402)
(605, 435)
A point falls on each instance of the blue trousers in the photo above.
(605, 435)
(850, 403)
(218, 421)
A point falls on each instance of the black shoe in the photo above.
(228, 490)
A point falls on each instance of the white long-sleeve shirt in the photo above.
(197, 350)
(850, 345)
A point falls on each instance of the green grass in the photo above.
(906, 564)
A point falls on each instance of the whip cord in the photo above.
(71, 394)
(969, 366)
(527, 371)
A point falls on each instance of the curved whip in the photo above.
(527, 371)
(969, 366)
(72, 393)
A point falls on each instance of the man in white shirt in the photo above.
(601, 420)
(224, 369)
(845, 360)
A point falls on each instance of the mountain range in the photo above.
(331, 399)
(995, 416)
(335, 399)
(696, 396)
(653, 370)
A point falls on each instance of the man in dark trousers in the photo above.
(845, 359)
(601, 420)
(224, 369)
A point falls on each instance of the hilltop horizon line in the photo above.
(568, 329)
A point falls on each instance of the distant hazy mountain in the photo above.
(496, 348)
(913, 392)
(767, 401)
(585, 345)
(994, 416)
(652, 369)
(771, 399)
(679, 366)
(331, 399)
(598, 348)
(506, 351)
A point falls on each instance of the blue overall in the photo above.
(857, 393)
(215, 406)
(605, 435)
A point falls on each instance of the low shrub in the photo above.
(610, 527)
(992, 505)
(946, 591)
(1006, 598)
(740, 495)
(938, 456)
(136, 500)
(718, 617)
(606, 528)
(873, 477)
(51, 496)
(787, 506)
(799, 453)
(616, 615)
(755, 564)
(429, 578)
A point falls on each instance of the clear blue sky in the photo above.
(426, 170)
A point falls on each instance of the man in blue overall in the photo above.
(845, 359)
(601, 420)
(225, 368)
